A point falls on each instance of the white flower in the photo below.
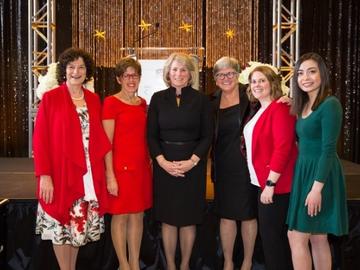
(90, 85)
(48, 82)
(244, 75)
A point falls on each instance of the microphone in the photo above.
(157, 26)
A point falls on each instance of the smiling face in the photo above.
(309, 79)
(179, 75)
(76, 72)
(129, 80)
(260, 86)
(227, 79)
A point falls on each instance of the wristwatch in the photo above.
(270, 183)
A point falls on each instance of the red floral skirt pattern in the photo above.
(85, 225)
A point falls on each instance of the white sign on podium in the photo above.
(151, 78)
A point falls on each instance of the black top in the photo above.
(190, 121)
(244, 110)
(227, 149)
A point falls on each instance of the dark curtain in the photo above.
(25, 251)
(105, 82)
(13, 78)
(332, 29)
(14, 70)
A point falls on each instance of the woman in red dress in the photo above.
(128, 169)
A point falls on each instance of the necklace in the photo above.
(128, 98)
(78, 98)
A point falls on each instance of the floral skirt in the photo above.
(85, 225)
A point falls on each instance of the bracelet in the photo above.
(270, 183)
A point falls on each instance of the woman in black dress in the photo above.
(179, 136)
(235, 197)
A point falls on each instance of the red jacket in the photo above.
(274, 147)
(58, 150)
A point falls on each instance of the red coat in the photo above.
(274, 147)
(58, 150)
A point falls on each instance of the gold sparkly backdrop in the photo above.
(210, 19)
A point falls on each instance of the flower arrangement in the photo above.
(244, 75)
(48, 82)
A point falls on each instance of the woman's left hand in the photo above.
(266, 196)
(313, 202)
(185, 165)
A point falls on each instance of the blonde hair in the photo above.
(190, 65)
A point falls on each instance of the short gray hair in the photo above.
(226, 62)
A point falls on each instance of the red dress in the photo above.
(131, 159)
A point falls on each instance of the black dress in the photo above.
(177, 132)
(235, 197)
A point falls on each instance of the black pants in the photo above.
(273, 232)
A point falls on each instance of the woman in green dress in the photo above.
(318, 198)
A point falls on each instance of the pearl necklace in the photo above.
(78, 98)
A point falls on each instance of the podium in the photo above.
(152, 60)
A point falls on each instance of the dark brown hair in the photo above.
(300, 98)
(70, 55)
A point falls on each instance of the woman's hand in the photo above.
(185, 165)
(171, 167)
(46, 192)
(285, 99)
(112, 185)
(313, 199)
(267, 194)
(313, 202)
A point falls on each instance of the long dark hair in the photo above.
(300, 98)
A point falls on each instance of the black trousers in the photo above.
(273, 232)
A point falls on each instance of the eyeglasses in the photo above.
(131, 76)
(228, 75)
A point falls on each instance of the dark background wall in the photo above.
(332, 29)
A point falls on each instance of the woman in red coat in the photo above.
(69, 149)
(271, 154)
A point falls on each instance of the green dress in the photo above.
(318, 160)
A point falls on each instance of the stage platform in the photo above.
(20, 248)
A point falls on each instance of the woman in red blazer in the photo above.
(271, 154)
(69, 149)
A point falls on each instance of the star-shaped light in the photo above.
(230, 33)
(185, 26)
(144, 25)
(99, 34)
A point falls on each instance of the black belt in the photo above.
(179, 143)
